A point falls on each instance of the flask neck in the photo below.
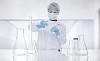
(20, 33)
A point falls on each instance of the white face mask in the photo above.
(52, 16)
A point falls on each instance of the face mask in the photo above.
(52, 16)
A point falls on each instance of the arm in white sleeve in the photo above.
(62, 37)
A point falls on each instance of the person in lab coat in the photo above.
(51, 33)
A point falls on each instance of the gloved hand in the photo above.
(55, 29)
(42, 24)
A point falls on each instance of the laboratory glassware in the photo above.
(20, 47)
(77, 46)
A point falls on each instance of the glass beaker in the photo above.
(20, 47)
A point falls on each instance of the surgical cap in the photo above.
(55, 5)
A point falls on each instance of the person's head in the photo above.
(53, 11)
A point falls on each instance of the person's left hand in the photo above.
(55, 29)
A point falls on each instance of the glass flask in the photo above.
(78, 58)
(20, 47)
(20, 58)
(77, 46)
(82, 45)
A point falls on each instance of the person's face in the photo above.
(52, 10)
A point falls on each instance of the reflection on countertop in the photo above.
(6, 55)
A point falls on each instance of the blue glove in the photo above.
(42, 24)
(55, 29)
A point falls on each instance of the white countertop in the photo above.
(6, 55)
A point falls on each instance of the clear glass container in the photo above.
(82, 45)
(73, 47)
(77, 46)
(20, 47)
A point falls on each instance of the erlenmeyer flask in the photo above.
(82, 45)
(20, 58)
(20, 47)
(78, 58)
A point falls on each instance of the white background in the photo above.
(70, 9)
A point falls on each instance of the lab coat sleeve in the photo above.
(62, 37)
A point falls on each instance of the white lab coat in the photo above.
(49, 55)
(47, 40)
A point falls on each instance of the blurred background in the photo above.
(79, 16)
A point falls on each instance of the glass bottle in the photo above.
(75, 48)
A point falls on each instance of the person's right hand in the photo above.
(42, 24)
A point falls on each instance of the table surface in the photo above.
(7, 55)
